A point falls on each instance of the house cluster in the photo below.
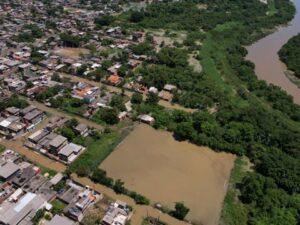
(16, 122)
(78, 199)
(118, 213)
(54, 145)
(24, 191)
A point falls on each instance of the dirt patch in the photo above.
(153, 163)
(195, 63)
(71, 52)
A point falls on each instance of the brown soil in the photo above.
(71, 52)
(152, 163)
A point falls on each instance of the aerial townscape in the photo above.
(149, 112)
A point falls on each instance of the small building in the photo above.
(69, 152)
(23, 210)
(8, 170)
(170, 87)
(82, 129)
(57, 143)
(146, 119)
(114, 79)
(12, 111)
(33, 117)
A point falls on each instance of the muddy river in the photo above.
(264, 55)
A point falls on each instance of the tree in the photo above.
(117, 102)
(136, 16)
(73, 123)
(136, 98)
(184, 131)
(180, 211)
(104, 21)
(119, 187)
(108, 115)
(152, 98)
(56, 77)
(80, 71)
(100, 176)
(68, 133)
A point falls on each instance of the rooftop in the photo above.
(60, 220)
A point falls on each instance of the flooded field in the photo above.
(151, 162)
(71, 52)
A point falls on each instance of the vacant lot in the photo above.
(151, 162)
(71, 52)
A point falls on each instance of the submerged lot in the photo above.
(151, 162)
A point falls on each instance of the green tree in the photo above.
(136, 98)
(119, 187)
(180, 211)
(152, 98)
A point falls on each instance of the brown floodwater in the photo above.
(152, 163)
(264, 55)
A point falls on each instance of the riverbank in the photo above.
(263, 54)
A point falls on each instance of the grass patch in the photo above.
(74, 106)
(96, 152)
(58, 206)
(45, 170)
(272, 10)
(2, 148)
(234, 212)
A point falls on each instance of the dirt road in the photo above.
(18, 146)
(57, 112)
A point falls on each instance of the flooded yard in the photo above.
(71, 52)
(152, 163)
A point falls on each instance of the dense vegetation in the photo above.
(250, 117)
(290, 54)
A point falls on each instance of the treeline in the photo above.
(290, 54)
(173, 15)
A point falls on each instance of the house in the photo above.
(60, 220)
(170, 87)
(165, 95)
(69, 152)
(8, 170)
(26, 110)
(24, 176)
(114, 79)
(12, 111)
(56, 144)
(23, 210)
(117, 213)
(34, 117)
(16, 129)
(146, 119)
(56, 122)
(82, 130)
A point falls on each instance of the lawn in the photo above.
(96, 152)
(58, 206)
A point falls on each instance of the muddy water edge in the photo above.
(263, 54)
